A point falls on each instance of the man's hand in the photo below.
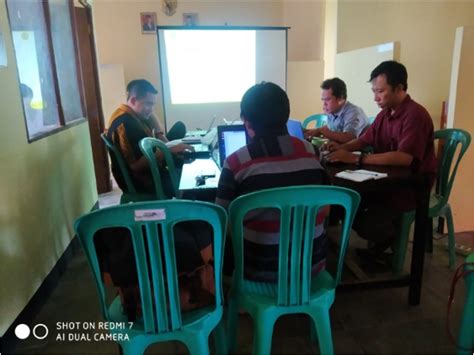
(342, 156)
(332, 146)
(324, 131)
(310, 133)
(181, 148)
(178, 149)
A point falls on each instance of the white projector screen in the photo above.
(205, 70)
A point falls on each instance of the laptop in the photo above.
(295, 129)
(229, 139)
(201, 132)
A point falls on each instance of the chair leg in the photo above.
(466, 328)
(263, 331)
(440, 228)
(321, 319)
(451, 241)
(133, 347)
(232, 323)
(198, 344)
(220, 338)
(400, 245)
(313, 331)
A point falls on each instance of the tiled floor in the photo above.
(363, 322)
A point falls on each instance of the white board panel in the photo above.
(354, 68)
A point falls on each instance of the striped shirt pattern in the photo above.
(270, 162)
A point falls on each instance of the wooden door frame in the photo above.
(94, 110)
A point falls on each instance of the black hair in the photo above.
(266, 107)
(338, 87)
(395, 72)
(139, 88)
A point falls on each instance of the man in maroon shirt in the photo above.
(402, 135)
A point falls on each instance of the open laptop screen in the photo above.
(295, 129)
(230, 138)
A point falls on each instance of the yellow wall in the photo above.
(353, 67)
(120, 41)
(44, 186)
(425, 31)
(461, 116)
(303, 89)
(111, 79)
(330, 38)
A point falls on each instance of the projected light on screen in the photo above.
(210, 66)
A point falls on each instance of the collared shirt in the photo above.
(408, 130)
(350, 118)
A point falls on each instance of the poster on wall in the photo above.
(190, 19)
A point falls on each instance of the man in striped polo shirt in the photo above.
(271, 159)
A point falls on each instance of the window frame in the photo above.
(63, 124)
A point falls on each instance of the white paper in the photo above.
(192, 140)
(360, 175)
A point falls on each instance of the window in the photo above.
(46, 56)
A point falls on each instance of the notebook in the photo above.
(295, 129)
(229, 139)
(360, 175)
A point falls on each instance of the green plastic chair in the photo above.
(320, 120)
(371, 119)
(131, 194)
(439, 205)
(148, 147)
(162, 319)
(466, 329)
(296, 291)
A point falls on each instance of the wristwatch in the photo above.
(360, 161)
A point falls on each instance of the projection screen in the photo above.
(205, 70)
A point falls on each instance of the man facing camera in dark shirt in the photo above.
(272, 159)
(401, 135)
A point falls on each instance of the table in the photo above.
(187, 185)
(396, 177)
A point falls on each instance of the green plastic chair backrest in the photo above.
(298, 207)
(158, 280)
(371, 119)
(148, 146)
(320, 119)
(446, 174)
(117, 156)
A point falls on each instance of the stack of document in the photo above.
(360, 175)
